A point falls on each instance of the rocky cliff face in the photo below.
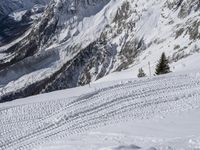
(79, 41)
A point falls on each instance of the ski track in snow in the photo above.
(23, 127)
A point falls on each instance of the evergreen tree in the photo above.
(141, 73)
(163, 65)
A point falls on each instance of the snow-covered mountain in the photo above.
(16, 16)
(9, 6)
(75, 42)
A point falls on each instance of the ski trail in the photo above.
(24, 127)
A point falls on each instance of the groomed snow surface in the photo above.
(158, 113)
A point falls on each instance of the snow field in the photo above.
(26, 126)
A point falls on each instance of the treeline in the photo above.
(161, 68)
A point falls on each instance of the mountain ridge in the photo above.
(82, 41)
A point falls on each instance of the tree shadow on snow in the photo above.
(129, 147)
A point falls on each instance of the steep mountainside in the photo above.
(78, 41)
(9, 6)
(16, 17)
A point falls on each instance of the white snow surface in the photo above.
(158, 113)
(18, 15)
(175, 131)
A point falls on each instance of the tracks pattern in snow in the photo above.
(26, 126)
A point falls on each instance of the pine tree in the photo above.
(163, 65)
(141, 73)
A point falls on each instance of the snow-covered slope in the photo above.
(37, 122)
(175, 131)
(76, 42)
